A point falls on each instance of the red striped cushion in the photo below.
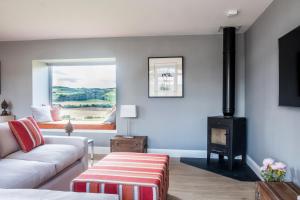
(27, 133)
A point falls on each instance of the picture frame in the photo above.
(166, 77)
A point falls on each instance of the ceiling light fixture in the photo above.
(232, 13)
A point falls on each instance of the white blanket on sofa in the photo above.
(31, 194)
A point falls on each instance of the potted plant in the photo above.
(272, 171)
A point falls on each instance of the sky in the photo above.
(103, 76)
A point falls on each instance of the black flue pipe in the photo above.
(229, 71)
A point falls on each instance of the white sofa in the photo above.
(28, 194)
(50, 166)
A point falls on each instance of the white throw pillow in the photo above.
(41, 113)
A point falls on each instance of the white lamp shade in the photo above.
(128, 111)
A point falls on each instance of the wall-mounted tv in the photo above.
(289, 69)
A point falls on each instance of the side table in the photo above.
(128, 144)
(276, 191)
(7, 118)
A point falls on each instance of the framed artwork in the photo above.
(165, 77)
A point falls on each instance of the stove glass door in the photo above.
(218, 136)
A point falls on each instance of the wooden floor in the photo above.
(191, 183)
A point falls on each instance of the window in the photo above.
(84, 92)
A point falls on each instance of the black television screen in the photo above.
(289, 69)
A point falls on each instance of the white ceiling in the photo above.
(49, 19)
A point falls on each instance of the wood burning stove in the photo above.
(226, 135)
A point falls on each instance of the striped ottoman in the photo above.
(134, 176)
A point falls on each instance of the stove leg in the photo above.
(244, 159)
(230, 162)
(221, 157)
(208, 157)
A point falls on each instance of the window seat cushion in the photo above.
(86, 125)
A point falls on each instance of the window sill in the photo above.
(60, 125)
(79, 131)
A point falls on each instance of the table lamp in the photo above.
(128, 112)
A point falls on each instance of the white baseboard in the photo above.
(177, 153)
(174, 153)
(101, 150)
(254, 166)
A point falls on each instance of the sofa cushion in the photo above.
(24, 174)
(61, 155)
(8, 142)
(27, 133)
(26, 194)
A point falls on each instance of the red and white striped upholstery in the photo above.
(134, 176)
(27, 133)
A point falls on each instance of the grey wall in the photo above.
(178, 123)
(40, 83)
(273, 131)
